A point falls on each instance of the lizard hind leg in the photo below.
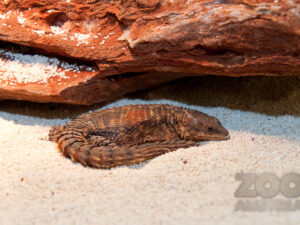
(98, 141)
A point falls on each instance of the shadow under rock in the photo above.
(267, 95)
(46, 110)
(261, 94)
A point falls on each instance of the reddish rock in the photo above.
(151, 37)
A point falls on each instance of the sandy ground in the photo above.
(188, 186)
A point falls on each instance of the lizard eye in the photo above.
(210, 129)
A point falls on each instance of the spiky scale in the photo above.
(133, 133)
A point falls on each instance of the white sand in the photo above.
(39, 186)
(26, 68)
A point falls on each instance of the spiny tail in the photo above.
(54, 133)
(106, 156)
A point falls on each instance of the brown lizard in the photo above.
(133, 133)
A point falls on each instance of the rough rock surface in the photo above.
(188, 38)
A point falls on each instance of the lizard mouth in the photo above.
(215, 137)
(227, 137)
(219, 133)
(218, 137)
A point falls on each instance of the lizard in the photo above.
(132, 134)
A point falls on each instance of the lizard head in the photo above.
(201, 127)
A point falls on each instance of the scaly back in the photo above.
(131, 134)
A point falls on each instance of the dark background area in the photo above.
(261, 94)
